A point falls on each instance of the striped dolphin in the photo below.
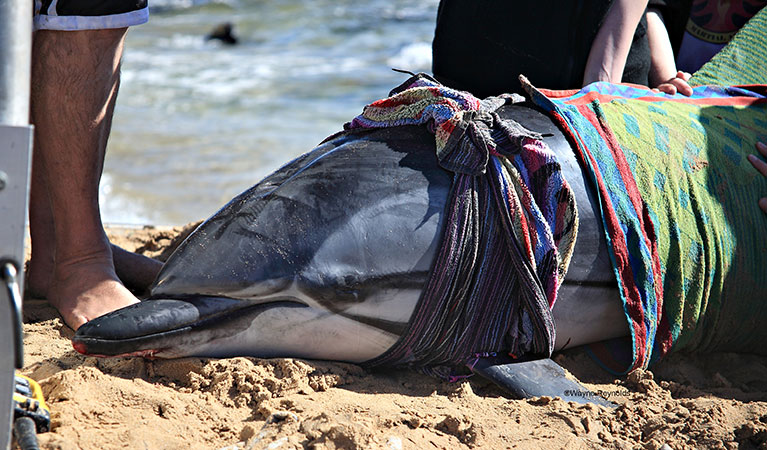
(327, 257)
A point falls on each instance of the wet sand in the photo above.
(687, 401)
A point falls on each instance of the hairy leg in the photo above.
(40, 268)
(136, 271)
(75, 77)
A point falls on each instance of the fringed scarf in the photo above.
(510, 230)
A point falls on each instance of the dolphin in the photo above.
(327, 257)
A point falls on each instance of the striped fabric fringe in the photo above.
(510, 231)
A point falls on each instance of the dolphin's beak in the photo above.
(147, 327)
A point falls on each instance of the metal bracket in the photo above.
(9, 281)
(15, 158)
(15, 155)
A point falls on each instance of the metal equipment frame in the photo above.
(15, 161)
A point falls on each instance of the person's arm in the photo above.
(761, 166)
(607, 57)
(663, 74)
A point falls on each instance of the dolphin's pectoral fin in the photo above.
(535, 378)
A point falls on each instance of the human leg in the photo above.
(75, 77)
(40, 266)
(135, 271)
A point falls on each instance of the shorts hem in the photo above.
(77, 23)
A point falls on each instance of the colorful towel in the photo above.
(510, 231)
(679, 204)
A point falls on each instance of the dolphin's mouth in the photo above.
(152, 326)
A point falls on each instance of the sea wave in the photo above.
(198, 121)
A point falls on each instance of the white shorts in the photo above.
(72, 15)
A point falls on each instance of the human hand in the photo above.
(761, 166)
(677, 84)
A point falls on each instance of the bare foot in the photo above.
(135, 271)
(87, 289)
(37, 279)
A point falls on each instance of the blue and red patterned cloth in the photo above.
(679, 205)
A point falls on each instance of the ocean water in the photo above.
(198, 122)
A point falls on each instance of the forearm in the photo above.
(662, 65)
(607, 57)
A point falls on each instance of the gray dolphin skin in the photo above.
(327, 257)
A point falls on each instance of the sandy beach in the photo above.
(685, 402)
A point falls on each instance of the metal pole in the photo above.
(15, 51)
(15, 158)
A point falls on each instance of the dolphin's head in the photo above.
(335, 246)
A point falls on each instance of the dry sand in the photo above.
(711, 401)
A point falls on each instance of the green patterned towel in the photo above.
(679, 199)
(679, 203)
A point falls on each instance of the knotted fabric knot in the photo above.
(466, 129)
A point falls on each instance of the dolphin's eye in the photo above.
(348, 295)
(349, 289)
(334, 292)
